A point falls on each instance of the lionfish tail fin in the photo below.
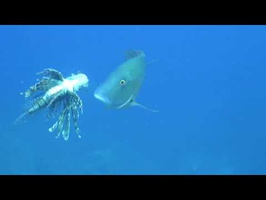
(22, 118)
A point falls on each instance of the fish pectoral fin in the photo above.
(134, 103)
(153, 61)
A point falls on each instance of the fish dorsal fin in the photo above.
(52, 73)
(133, 53)
(134, 103)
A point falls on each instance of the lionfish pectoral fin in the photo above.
(55, 105)
(75, 119)
(76, 105)
(63, 124)
(55, 98)
(51, 129)
(65, 132)
(71, 106)
(58, 125)
(77, 102)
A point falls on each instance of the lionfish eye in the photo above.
(122, 82)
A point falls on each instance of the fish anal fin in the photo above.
(134, 103)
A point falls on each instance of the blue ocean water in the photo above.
(208, 85)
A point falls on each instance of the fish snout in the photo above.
(98, 95)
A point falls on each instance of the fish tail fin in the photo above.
(35, 105)
(144, 107)
(21, 118)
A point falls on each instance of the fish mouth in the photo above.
(102, 98)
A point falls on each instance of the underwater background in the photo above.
(208, 83)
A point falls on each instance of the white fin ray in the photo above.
(134, 103)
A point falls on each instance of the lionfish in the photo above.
(59, 96)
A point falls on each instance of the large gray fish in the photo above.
(122, 86)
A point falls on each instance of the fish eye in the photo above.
(122, 82)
